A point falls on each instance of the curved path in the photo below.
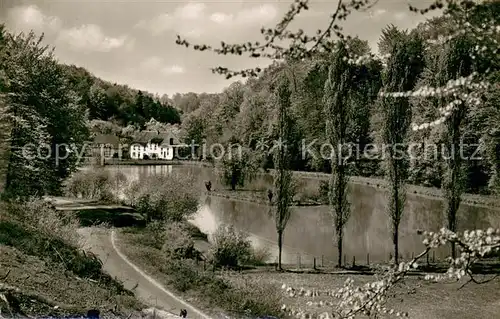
(102, 243)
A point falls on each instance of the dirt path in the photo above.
(102, 242)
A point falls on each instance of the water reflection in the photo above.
(208, 221)
(309, 231)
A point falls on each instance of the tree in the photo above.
(402, 72)
(338, 115)
(236, 166)
(466, 66)
(284, 187)
(5, 121)
(48, 120)
(365, 83)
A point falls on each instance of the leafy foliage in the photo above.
(178, 242)
(169, 197)
(96, 183)
(47, 124)
(229, 247)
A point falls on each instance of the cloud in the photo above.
(190, 11)
(219, 17)
(151, 63)
(377, 14)
(26, 18)
(257, 15)
(89, 37)
(173, 69)
(85, 38)
(176, 21)
(155, 63)
(400, 16)
(201, 23)
(158, 24)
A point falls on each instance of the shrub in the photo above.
(259, 256)
(229, 247)
(323, 191)
(42, 217)
(99, 184)
(155, 234)
(250, 296)
(178, 243)
(169, 197)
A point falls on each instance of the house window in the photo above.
(107, 151)
(134, 154)
(171, 141)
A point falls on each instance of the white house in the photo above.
(154, 145)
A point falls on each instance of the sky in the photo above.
(133, 42)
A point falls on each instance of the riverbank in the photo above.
(43, 271)
(197, 282)
(260, 197)
(114, 161)
(444, 301)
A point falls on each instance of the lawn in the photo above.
(421, 299)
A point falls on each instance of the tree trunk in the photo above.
(339, 246)
(395, 240)
(233, 182)
(396, 217)
(280, 248)
(452, 224)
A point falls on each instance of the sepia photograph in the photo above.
(250, 159)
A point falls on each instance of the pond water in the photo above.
(309, 233)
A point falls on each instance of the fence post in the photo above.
(345, 260)
(314, 263)
(412, 255)
(353, 261)
(368, 259)
(322, 261)
(427, 256)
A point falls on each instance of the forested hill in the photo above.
(119, 103)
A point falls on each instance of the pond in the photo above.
(309, 233)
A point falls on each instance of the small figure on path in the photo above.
(93, 314)
(183, 313)
(208, 185)
(270, 195)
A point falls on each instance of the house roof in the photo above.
(107, 139)
(155, 137)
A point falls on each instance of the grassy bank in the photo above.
(260, 197)
(43, 272)
(421, 299)
(197, 282)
